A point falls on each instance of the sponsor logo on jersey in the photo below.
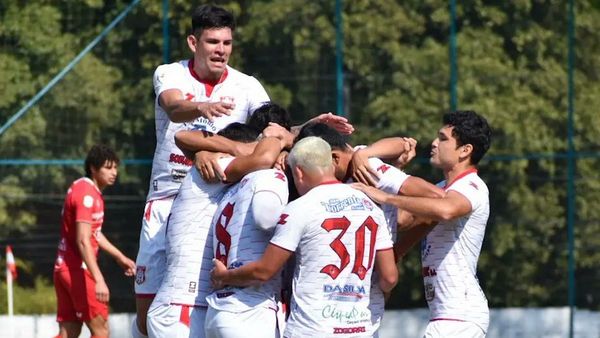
(192, 286)
(88, 201)
(178, 175)
(344, 293)
(428, 271)
(180, 159)
(383, 168)
(282, 219)
(335, 205)
(189, 96)
(203, 124)
(429, 291)
(346, 330)
(140, 274)
(425, 248)
(345, 315)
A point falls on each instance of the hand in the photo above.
(217, 274)
(280, 163)
(208, 167)
(127, 265)
(210, 110)
(375, 194)
(410, 151)
(361, 169)
(102, 293)
(336, 122)
(275, 130)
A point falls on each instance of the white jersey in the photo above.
(335, 231)
(169, 165)
(237, 240)
(390, 180)
(449, 257)
(187, 249)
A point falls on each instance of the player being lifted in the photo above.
(339, 237)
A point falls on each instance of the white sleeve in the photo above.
(290, 228)
(224, 162)
(383, 238)
(470, 189)
(390, 177)
(257, 96)
(270, 196)
(167, 77)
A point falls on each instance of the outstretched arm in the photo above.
(392, 149)
(258, 271)
(181, 110)
(192, 141)
(264, 156)
(336, 122)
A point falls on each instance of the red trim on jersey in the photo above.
(184, 315)
(329, 182)
(208, 85)
(145, 295)
(148, 211)
(463, 174)
(448, 319)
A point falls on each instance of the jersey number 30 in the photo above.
(340, 249)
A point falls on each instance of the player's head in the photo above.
(239, 132)
(465, 136)
(101, 165)
(341, 152)
(270, 112)
(310, 163)
(211, 40)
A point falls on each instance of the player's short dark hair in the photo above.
(470, 128)
(98, 155)
(239, 132)
(211, 16)
(270, 112)
(336, 140)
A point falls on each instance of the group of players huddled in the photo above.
(256, 228)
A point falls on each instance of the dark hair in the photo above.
(239, 132)
(270, 112)
(336, 140)
(98, 155)
(211, 16)
(470, 128)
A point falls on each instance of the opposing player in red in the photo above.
(81, 290)
(339, 237)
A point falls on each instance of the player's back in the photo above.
(187, 248)
(238, 240)
(338, 231)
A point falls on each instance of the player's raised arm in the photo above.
(336, 122)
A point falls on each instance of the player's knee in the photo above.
(98, 326)
(136, 330)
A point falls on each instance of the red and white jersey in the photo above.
(188, 249)
(169, 165)
(335, 231)
(449, 257)
(83, 203)
(390, 180)
(238, 240)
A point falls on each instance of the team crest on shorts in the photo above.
(140, 274)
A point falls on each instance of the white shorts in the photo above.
(176, 321)
(151, 259)
(453, 329)
(260, 322)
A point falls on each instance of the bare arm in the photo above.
(407, 239)
(264, 156)
(418, 187)
(83, 237)
(387, 269)
(192, 141)
(124, 262)
(451, 206)
(261, 270)
(181, 110)
(336, 122)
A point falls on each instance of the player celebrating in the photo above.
(242, 228)
(449, 254)
(81, 291)
(200, 93)
(338, 235)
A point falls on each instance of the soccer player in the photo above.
(387, 178)
(201, 93)
(242, 227)
(339, 237)
(81, 290)
(449, 254)
(179, 308)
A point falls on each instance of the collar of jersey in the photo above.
(463, 174)
(209, 85)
